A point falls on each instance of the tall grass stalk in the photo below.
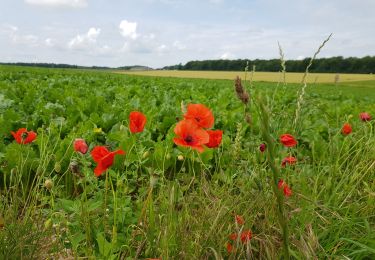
(282, 218)
(301, 93)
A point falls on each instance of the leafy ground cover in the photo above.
(166, 201)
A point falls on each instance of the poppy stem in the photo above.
(271, 160)
(105, 201)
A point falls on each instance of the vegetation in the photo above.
(162, 200)
(324, 65)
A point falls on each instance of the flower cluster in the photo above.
(347, 128)
(243, 235)
(100, 154)
(191, 131)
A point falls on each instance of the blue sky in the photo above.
(166, 32)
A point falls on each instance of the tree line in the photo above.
(330, 65)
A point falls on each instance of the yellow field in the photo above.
(290, 77)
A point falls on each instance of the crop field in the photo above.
(101, 165)
(290, 77)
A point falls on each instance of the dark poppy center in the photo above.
(188, 139)
(198, 119)
(24, 135)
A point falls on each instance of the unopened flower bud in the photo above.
(180, 157)
(145, 154)
(48, 184)
(57, 167)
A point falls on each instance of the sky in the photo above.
(158, 33)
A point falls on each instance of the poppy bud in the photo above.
(262, 147)
(98, 130)
(57, 167)
(48, 224)
(145, 154)
(48, 184)
(122, 128)
(180, 157)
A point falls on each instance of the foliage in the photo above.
(160, 200)
(324, 65)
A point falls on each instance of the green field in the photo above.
(290, 77)
(164, 201)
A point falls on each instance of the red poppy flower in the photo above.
(190, 135)
(230, 248)
(288, 140)
(137, 122)
(200, 114)
(262, 147)
(288, 160)
(103, 158)
(215, 138)
(365, 116)
(239, 220)
(282, 185)
(346, 129)
(245, 236)
(287, 191)
(80, 146)
(22, 136)
(233, 236)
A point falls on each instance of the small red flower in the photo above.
(288, 160)
(22, 136)
(230, 248)
(103, 158)
(80, 146)
(239, 220)
(288, 140)
(245, 236)
(262, 147)
(190, 135)
(200, 114)
(137, 122)
(346, 129)
(233, 236)
(215, 138)
(365, 116)
(287, 191)
(282, 185)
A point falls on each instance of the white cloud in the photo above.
(17, 37)
(300, 57)
(128, 29)
(84, 41)
(179, 46)
(162, 48)
(227, 56)
(49, 42)
(59, 3)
